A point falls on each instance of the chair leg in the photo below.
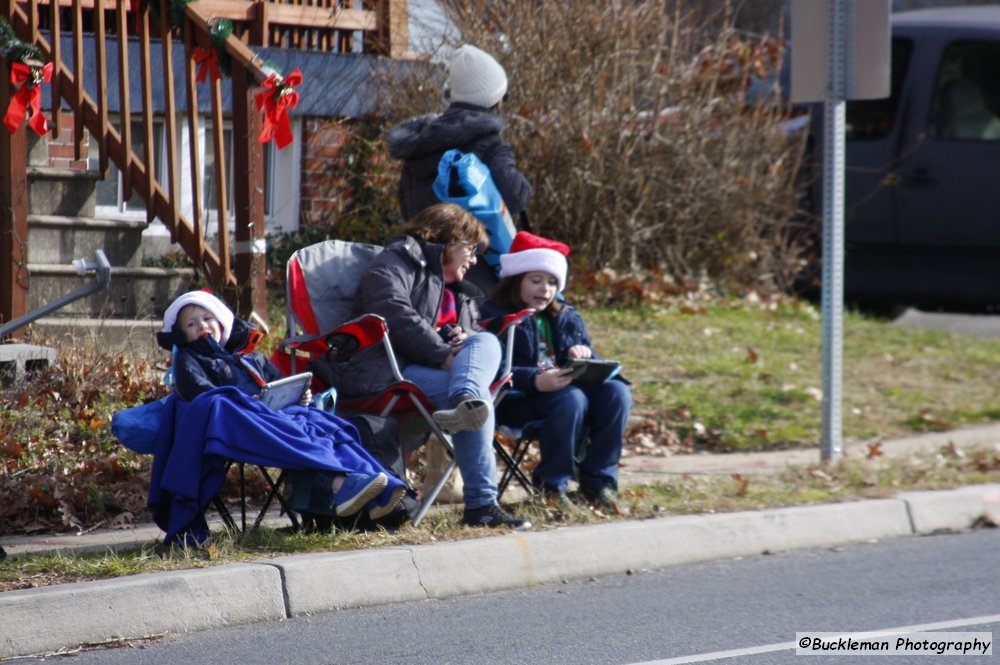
(274, 494)
(223, 510)
(513, 468)
(243, 498)
(428, 500)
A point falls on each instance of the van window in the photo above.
(874, 118)
(966, 93)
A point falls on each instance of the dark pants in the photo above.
(600, 413)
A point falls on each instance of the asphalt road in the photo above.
(747, 610)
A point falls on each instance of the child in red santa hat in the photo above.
(582, 428)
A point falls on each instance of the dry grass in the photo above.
(848, 480)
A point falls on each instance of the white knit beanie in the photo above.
(531, 253)
(474, 77)
(202, 299)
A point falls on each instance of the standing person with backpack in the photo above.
(477, 88)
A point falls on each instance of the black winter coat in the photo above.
(202, 365)
(420, 143)
(405, 285)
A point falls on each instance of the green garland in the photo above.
(219, 31)
(16, 50)
(218, 34)
(175, 10)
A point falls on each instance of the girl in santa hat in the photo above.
(581, 427)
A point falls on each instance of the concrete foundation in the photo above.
(19, 360)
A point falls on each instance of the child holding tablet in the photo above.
(531, 275)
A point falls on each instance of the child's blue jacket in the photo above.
(568, 329)
(202, 365)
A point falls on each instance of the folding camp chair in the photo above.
(516, 443)
(272, 493)
(321, 281)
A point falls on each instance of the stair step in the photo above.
(53, 191)
(131, 337)
(133, 293)
(56, 239)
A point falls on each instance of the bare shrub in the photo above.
(632, 122)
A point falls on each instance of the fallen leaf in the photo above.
(819, 473)
(954, 451)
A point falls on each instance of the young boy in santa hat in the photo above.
(214, 349)
(532, 274)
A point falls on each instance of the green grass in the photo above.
(738, 376)
(723, 375)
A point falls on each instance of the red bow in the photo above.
(29, 95)
(207, 61)
(278, 99)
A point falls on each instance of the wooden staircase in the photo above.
(51, 220)
(63, 227)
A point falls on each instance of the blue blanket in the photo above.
(196, 439)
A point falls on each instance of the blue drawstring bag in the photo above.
(136, 427)
(463, 179)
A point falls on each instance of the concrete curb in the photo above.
(37, 620)
(952, 510)
(51, 618)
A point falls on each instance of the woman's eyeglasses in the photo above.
(470, 247)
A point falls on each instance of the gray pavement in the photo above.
(50, 619)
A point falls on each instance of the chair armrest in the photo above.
(498, 325)
(365, 331)
(307, 343)
(504, 327)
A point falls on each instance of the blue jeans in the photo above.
(566, 415)
(472, 371)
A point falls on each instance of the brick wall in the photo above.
(324, 193)
(58, 151)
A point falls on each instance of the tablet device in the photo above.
(592, 371)
(284, 392)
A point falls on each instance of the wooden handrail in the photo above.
(250, 12)
(234, 267)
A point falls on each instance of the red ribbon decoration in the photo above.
(277, 99)
(207, 61)
(29, 95)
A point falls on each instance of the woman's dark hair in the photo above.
(446, 224)
(507, 294)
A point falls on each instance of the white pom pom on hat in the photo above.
(475, 77)
(203, 299)
(531, 253)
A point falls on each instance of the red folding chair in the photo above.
(321, 280)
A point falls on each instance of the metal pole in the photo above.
(102, 277)
(833, 231)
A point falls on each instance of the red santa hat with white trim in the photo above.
(203, 298)
(531, 253)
